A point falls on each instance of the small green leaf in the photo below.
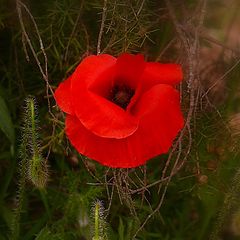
(6, 124)
(121, 229)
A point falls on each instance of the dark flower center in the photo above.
(121, 95)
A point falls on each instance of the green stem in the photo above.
(45, 201)
(33, 127)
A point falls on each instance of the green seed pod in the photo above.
(37, 168)
(38, 171)
(100, 230)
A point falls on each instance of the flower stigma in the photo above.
(121, 95)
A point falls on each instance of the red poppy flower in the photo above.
(121, 112)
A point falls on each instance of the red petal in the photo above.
(63, 96)
(161, 120)
(129, 69)
(158, 73)
(95, 71)
(96, 113)
(109, 152)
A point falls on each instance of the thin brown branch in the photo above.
(104, 14)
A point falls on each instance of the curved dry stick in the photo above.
(192, 48)
(25, 37)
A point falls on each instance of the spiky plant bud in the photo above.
(32, 165)
(38, 171)
(37, 168)
(100, 230)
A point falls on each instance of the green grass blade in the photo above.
(6, 124)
